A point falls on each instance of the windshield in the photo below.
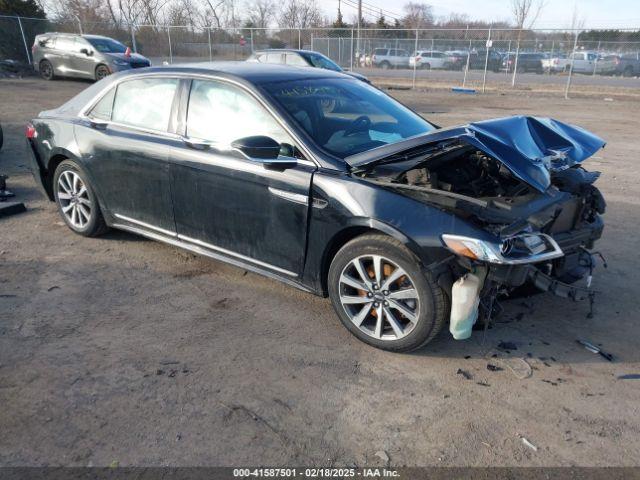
(107, 45)
(346, 117)
(320, 61)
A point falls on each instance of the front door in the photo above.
(229, 203)
(126, 148)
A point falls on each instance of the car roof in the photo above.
(284, 50)
(252, 72)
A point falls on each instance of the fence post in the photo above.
(595, 64)
(209, 39)
(79, 24)
(553, 45)
(133, 38)
(352, 52)
(415, 62)
(170, 51)
(515, 63)
(24, 40)
(486, 60)
(575, 45)
(251, 31)
(299, 39)
(466, 67)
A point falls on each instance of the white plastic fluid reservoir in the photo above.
(465, 298)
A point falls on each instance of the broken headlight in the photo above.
(524, 248)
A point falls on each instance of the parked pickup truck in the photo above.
(593, 62)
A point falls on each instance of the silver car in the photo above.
(84, 56)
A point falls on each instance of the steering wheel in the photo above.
(360, 124)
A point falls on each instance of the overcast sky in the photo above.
(556, 13)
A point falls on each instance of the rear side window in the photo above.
(48, 42)
(67, 44)
(222, 113)
(145, 103)
(296, 60)
(380, 51)
(275, 57)
(102, 109)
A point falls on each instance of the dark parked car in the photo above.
(478, 58)
(403, 224)
(456, 60)
(300, 58)
(526, 62)
(84, 56)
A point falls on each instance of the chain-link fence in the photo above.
(468, 59)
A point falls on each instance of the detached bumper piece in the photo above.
(549, 284)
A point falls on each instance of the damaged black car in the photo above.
(330, 185)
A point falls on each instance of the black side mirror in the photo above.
(259, 147)
(86, 51)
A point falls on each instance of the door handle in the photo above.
(198, 143)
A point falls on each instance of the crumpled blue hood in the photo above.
(530, 147)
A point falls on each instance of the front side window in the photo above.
(222, 113)
(346, 117)
(320, 61)
(107, 45)
(145, 103)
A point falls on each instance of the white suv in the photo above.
(390, 58)
(427, 59)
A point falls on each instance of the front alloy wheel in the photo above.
(383, 296)
(379, 297)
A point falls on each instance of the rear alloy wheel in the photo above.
(426, 66)
(101, 72)
(77, 203)
(383, 296)
(46, 70)
(385, 65)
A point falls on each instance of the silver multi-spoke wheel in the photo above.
(74, 199)
(379, 297)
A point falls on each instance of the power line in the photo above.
(371, 11)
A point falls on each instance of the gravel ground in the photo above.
(119, 349)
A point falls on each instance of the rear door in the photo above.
(125, 144)
(60, 55)
(229, 203)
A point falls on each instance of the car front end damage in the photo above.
(519, 183)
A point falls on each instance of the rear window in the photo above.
(102, 109)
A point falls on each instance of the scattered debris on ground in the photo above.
(465, 374)
(594, 349)
(529, 444)
(494, 368)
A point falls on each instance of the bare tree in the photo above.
(577, 20)
(300, 14)
(526, 12)
(260, 12)
(417, 15)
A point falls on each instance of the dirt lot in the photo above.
(119, 349)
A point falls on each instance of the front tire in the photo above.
(76, 200)
(383, 296)
(101, 72)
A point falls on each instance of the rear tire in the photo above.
(46, 70)
(385, 65)
(76, 200)
(413, 308)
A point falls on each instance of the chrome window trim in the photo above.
(146, 225)
(200, 243)
(214, 76)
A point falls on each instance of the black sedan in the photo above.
(330, 185)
